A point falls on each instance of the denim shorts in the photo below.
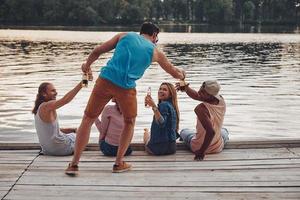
(165, 148)
(111, 150)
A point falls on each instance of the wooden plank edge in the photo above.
(238, 144)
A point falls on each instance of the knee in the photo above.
(88, 119)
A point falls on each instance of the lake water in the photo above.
(259, 75)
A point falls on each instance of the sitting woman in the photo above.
(110, 128)
(164, 127)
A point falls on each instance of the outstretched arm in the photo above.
(193, 93)
(100, 49)
(190, 92)
(163, 61)
(55, 104)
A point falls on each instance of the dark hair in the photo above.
(149, 28)
(39, 97)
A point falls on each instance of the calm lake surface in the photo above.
(259, 75)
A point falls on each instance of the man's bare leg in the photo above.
(82, 138)
(125, 139)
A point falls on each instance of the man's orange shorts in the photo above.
(104, 91)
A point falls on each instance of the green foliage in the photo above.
(249, 9)
(97, 12)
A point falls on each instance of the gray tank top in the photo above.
(52, 141)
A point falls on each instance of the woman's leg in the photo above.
(187, 135)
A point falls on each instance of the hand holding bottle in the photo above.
(84, 82)
(88, 71)
(148, 98)
(181, 85)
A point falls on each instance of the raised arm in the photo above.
(55, 104)
(193, 93)
(157, 115)
(101, 49)
(163, 61)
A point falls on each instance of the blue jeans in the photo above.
(111, 150)
(187, 135)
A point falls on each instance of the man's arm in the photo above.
(55, 104)
(163, 61)
(100, 49)
(204, 117)
(193, 93)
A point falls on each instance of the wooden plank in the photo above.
(145, 177)
(261, 143)
(296, 151)
(271, 173)
(18, 155)
(83, 194)
(12, 165)
(91, 188)
(178, 163)
(232, 154)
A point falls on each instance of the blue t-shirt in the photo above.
(133, 55)
(164, 132)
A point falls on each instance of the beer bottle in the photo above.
(84, 82)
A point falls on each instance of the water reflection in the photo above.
(260, 82)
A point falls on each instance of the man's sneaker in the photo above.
(123, 167)
(72, 170)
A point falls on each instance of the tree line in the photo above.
(101, 12)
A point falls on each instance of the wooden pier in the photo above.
(244, 170)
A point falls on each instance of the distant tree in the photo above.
(199, 11)
(95, 12)
(156, 10)
(168, 9)
(248, 11)
(131, 14)
(218, 11)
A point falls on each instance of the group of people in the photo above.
(133, 54)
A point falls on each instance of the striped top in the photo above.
(111, 124)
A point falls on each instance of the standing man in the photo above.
(132, 56)
(209, 136)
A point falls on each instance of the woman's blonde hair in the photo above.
(173, 96)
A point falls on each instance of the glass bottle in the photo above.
(84, 80)
(148, 94)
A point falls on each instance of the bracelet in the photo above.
(154, 108)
